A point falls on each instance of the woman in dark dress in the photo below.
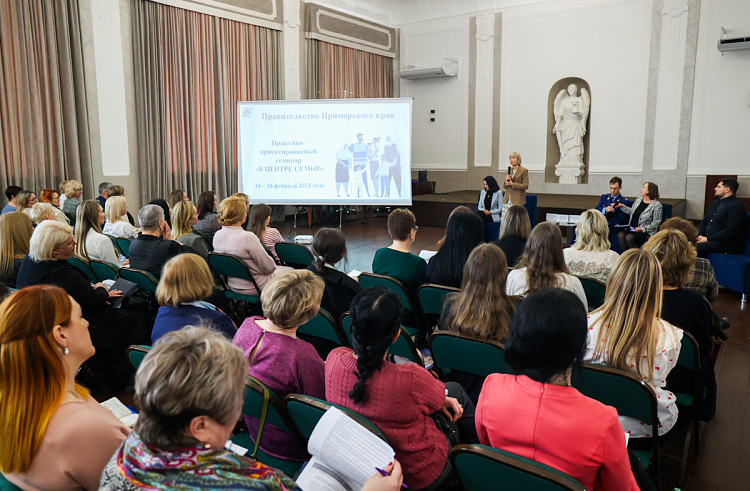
(514, 231)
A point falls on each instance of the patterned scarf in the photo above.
(146, 467)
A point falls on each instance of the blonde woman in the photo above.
(591, 255)
(233, 239)
(15, 234)
(91, 243)
(277, 357)
(73, 193)
(514, 232)
(260, 217)
(41, 212)
(246, 199)
(115, 211)
(627, 332)
(185, 285)
(184, 216)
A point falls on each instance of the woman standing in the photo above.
(516, 183)
(488, 208)
(591, 255)
(645, 218)
(91, 243)
(73, 192)
(208, 219)
(260, 217)
(53, 197)
(184, 216)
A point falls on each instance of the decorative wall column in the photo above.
(485, 40)
(292, 22)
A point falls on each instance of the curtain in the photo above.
(44, 127)
(190, 70)
(336, 72)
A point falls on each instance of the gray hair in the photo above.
(188, 373)
(48, 235)
(103, 187)
(149, 217)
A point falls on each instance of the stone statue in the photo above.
(571, 113)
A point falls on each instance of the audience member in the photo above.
(591, 255)
(25, 200)
(11, 192)
(645, 217)
(542, 265)
(635, 339)
(184, 216)
(396, 260)
(723, 227)
(117, 190)
(427, 254)
(15, 234)
(537, 414)
(103, 195)
(516, 183)
(55, 435)
(608, 205)
(328, 248)
(702, 278)
(53, 197)
(61, 192)
(177, 196)
(489, 208)
(685, 309)
(184, 287)
(117, 226)
(260, 217)
(465, 231)
(154, 246)
(278, 358)
(112, 330)
(208, 219)
(481, 310)
(164, 206)
(41, 212)
(246, 199)
(73, 192)
(91, 243)
(401, 400)
(189, 390)
(232, 239)
(514, 232)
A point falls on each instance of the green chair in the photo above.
(323, 326)
(457, 352)
(123, 243)
(295, 255)
(83, 265)
(253, 403)
(114, 243)
(143, 279)
(136, 353)
(431, 297)
(631, 397)
(6, 485)
(367, 280)
(403, 347)
(104, 270)
(306, 411)
(231, 266)
(594, 290)
(207, 238)
(483, 468)
(71, 219)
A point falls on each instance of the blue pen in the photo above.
(388, 474)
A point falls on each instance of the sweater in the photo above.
(170, 319)
(399, 400)
(409, 269)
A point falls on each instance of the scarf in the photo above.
(146, 467)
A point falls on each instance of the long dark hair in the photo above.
(329, 246)
(465, 231)
(206, 203)
(492, 184)
(375, 318)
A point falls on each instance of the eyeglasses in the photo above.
(416, 227)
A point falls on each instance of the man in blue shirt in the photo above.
(608, 205)
(11, 193)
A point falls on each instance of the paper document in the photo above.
(121, 411)
(354, 274)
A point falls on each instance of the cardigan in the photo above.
(398, 400)
(495, 209)
(556, 426)
(196, 243)
(650, 219)
(339, 291)
(209, 224)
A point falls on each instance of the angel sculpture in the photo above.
(571, 113)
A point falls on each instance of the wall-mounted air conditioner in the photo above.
(731, 44)
(413, 73)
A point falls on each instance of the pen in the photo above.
(384, 473)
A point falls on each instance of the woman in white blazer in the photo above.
(490, 198)
(91, 243)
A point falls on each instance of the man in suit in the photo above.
(516, 183)
(608, 205)
(723, 227)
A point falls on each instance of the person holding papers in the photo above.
(421, 417)
(645, 218)
(608, 205)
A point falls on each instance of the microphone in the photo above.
(510, 170)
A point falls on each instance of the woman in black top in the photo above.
(514, 231)
(465, 231)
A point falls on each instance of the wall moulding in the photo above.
(264, 13)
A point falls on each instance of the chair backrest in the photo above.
(481, 468)
(207, 238)
(136, 353)
(465, 354)
(231, 266)
(294, 255)
(143, 279)
(405, 348)
(306, 411)
(595, 291)
(104, 270)
(344, 323)
(689, 358)
(83, 265)
(123, 243)
(71, 219)
(6, 485)
(431, 297)
(324, 326)
(252, 405)
(114, 243)
(366, 280)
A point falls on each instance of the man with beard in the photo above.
(723, 227)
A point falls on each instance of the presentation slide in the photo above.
(326, 152)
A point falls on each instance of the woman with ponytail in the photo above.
(329, 247)
(421, 417)
(55, 436)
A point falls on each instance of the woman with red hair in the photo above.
(55, 436)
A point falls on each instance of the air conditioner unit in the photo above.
(426, 73)
(732, 44)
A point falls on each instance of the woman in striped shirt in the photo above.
(260, 217)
